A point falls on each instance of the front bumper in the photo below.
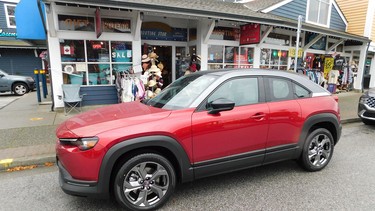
(32, 86)
(75, 187)
(366, 112)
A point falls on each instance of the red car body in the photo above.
(198, 143)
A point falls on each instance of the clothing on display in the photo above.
(339, 62)
(333, 76)
(129, 88)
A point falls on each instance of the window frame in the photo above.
(7, 16)
(327, 25)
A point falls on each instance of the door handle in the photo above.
(258, 116)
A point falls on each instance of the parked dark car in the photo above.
(203, 124)
(366, 107)
(17, 84)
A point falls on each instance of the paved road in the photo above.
(348, 183)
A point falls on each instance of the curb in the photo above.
(353, 120)
(39, 160)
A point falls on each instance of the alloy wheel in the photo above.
(319, 150)
(146, 184)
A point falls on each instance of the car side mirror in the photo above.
(221, 104)
(1, 75)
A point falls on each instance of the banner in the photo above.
(328, 66)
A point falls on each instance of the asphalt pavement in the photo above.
(27, 127)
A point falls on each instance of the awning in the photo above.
(29, 21)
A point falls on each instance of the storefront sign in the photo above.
(250, 34)
(116, 25)
(292, 52)
(98, 23)
(7, 34)
(176, 34)
(225, 33)
(76, 23)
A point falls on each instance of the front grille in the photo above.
(371, 102)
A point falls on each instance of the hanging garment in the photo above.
(127, 95)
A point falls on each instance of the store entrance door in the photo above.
(165, 57)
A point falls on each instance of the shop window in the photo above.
(72, 51)
(230, 57)
(94, 62)
(10, 15)
(274, 59)
(121, 56)
(318, 11)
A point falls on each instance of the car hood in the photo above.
(107, 118)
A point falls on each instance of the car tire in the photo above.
(144, 182)
(20, 89)
(317, 150)
(368, 122)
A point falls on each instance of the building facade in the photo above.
(89, 42)
(17, 56)
(361, 18)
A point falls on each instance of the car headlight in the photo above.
(81, 143)
(363, 99)
(30, 79)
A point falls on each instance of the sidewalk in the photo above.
(27, 128)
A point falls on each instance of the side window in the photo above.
(300, 92)
(242, 91)
(280, 89)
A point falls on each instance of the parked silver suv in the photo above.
(366, 107)
(17, 84)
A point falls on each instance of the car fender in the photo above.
(316, 119)
(116, 151)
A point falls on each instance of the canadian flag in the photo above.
(67, 50)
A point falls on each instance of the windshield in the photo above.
(181, 93)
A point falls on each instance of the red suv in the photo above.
(203, 124)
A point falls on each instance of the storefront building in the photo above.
(89, 42)
(17, 57)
